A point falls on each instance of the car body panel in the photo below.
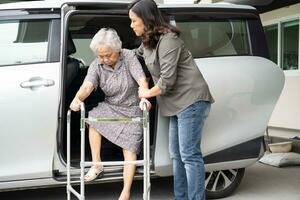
(28, 122)
(246, 89)
(244, 103)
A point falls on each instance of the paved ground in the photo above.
(261, 182)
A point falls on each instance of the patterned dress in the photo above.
(121, 100)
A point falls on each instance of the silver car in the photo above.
(44, 59)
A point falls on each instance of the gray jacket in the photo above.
(175, 72)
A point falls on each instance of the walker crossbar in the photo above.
(115, 163)
(135, 119)
(146, 147)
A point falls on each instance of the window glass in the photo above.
(23, 41)
(83, 50)
(272, 41)
(215, 38)
(290, 40)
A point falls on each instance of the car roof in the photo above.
(58, 4)
(51, 4)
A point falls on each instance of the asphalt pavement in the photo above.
(261, 182)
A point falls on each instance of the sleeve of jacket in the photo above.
(169, 51)
(139, 51)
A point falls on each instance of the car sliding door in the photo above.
(244, 84)
(29, 82)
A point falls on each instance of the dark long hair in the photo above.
(155, 24)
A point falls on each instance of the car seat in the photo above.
(73, 64)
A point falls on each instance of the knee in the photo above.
(129, 155)
(93, 131)
(192, 157)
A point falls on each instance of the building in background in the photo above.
(282, 32)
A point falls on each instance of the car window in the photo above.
(23, 41)
(83, 27)
(215, 38)
(83, 50)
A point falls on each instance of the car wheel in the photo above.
(222, 183)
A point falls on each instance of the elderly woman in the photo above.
(119, 74)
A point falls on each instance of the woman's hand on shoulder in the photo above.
(143, 102)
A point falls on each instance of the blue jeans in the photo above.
(184, 145)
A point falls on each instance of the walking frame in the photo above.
(146, 150)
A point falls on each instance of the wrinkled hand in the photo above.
(143, 101)
(144, 92)
(75, 104)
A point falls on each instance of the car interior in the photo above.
(81, 29)
(229, 38)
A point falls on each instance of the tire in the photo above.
(220, 184)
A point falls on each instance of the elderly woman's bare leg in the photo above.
(128, 173)
(95, 145)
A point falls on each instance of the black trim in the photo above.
(46, 11)
(246, 150)
(212, 13)
(61, 125)
(258, 39)
(103, 6)
(54, 41)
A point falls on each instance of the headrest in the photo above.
(71, 46)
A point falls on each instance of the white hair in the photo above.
(106, 37)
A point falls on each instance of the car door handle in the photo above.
(36, 82)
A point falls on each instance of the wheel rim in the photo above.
(216, 181)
